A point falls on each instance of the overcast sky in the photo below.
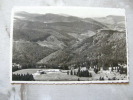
(74, 11)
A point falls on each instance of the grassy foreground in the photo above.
(59, 76)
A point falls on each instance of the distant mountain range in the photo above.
(60, 39)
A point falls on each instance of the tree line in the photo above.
(80, 73)
(22, 77)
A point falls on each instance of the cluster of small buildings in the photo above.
(16, 65)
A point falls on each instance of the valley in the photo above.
(54, 41)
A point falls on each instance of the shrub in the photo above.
(114, 78)
(85, 74)
(96, 70)
(101, 78)
(15, 68)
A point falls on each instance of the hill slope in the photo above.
(65, 40)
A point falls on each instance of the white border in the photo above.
(63, 82)
(11, 43)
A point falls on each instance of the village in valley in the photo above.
(82, 73)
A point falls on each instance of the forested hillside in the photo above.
(60, 40)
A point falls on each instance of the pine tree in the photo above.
(112, 69)
(67, 72)
(90, 75)
(75, 73)
(102, 78)
(78, 73)
(78, 79)
(71, 72)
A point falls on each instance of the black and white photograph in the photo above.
(68, 45)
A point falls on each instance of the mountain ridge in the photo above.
(70, 39)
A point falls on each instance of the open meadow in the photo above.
(63, 76)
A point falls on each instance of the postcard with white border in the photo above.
(68, 45)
